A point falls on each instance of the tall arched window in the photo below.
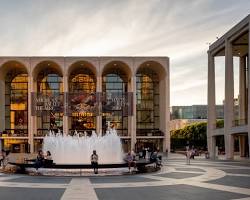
(115, 81)
(147, 101)
(16, 103)
(82, 83)
(49, 82)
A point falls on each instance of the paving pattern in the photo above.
(202, 179)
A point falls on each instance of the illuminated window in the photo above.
(49, 82)
(16, 103)
(82, 82)
(147, 102)
(115, 82)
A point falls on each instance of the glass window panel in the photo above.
(115, 83)
(49, 82)
(147, 87)
(16, 98)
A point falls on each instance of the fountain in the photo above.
(71, 155)
(77, 150)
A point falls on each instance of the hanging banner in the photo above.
(43, 104)
(86, 104)
(116, 103)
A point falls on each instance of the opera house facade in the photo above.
(82, 95)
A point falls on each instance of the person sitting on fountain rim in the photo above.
(130, 161)
(48, 159)
(39, 160)
(48, 156)
(94, 162)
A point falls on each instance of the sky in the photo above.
(179, 29)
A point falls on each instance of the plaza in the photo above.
(125, 100)
(202, 179)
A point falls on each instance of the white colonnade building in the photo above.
(234, 46)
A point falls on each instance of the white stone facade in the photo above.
(234, 44)
(64, 66)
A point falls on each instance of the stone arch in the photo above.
(47, 64)
(154, 66)
(12, 65)
(81, 64)
(118, 66)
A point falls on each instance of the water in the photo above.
(77, 150)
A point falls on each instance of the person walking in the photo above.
(188, 155)
(94, 161)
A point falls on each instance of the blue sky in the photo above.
(179, 29)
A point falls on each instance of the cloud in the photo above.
(179, 29)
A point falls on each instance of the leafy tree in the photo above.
(193, 134)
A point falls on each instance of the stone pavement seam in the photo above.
(80, 188)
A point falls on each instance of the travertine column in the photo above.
(2, 107)
(242, 90)
(132, 119)
(65, 117)
(2, 104)
(229, 101)
(31, 119)
(167, 110)
(211, 124)
(99, 117)
(248, 114)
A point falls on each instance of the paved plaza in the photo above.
(203, 179)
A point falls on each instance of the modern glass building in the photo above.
(84, 94)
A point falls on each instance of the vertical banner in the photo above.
(43, 104)
(114, 102)
(88, 104)
(84, 103)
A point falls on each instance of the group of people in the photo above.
(130, 159)
(42, 160)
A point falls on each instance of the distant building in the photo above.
(194, 112)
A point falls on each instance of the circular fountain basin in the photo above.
(81, 169)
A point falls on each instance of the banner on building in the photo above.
(44, 104)
(87, 104)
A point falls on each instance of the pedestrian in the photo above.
(144, 151)
(2, 156)
(94, 161)
(130, 161)
(188, 155)
(39, 160)
(48, 156)
(48, 159)
(133, 154)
